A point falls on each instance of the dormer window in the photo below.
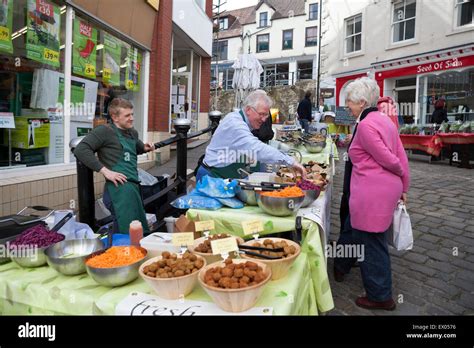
(263, 22)
(224, 23)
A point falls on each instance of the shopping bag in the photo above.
(400, 236)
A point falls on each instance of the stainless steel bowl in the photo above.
(315, 147)
(309, 197)
(279, 206)
(67, 257)
(28, 257)
(115, 276)
(246, 195)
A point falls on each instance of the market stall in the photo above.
(425, 143)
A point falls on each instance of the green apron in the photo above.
(126, 198)
(231, 171)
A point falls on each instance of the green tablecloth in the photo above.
(44, 291)
(230, 221)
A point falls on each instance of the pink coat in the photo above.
(380, 173)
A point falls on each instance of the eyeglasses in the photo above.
(261, 114)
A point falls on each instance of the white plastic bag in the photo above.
(400, 236)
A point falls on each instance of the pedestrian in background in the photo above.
(304, 111)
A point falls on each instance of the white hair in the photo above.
(257, 98)
(363, 89)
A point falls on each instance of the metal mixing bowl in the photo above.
(29, 257)
(115, 276)
(67, 257)
(279, 206)
(246, 195)
(315, 147)
(309, 197)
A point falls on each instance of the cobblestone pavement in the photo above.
(436, 277)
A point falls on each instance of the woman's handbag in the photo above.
(400, 236)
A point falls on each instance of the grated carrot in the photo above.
(290, 191)
(116, 256)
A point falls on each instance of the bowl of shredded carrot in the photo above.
(283, 202)
(115, 266)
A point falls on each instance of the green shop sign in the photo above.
(6, 19)
(42, 37)
(84, 52)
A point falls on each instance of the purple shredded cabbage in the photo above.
(38, 236)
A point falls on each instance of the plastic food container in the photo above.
(158, 242)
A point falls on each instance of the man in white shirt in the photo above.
(233, 145)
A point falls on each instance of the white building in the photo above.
(417, 50)
(282, 34)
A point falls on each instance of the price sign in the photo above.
(7, 120)
(44, 7)
(183, 238)
(129, 84)
(106, 73)
(204, 225)
(90, 70)
(224, 246)
(50, 55)
(252, 227)
(4, 34)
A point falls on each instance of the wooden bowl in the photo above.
(235, 300)
(279, 267)
(171, 288)
(210, 258)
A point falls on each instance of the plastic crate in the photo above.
(149, 190)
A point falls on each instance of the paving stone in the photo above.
(469, 228)
(465, 240)
(430, 238)
(467, 300)
(449, 289)
(434, 310)
(465, 285)
(445, 267)
(423, 269)
(466, 274)
(438, 256)
(417, 258)
(457, 225)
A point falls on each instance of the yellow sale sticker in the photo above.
(183, 238)
(224, 246)
(50, 55)
(106, 73)
(253, 226)
(204, 225)
(89, 70)
(129, 84)
(4, 34)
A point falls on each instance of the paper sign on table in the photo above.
(224, 246)
(183, 238)
(252, 227)
(204, 225)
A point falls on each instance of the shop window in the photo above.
(464, 12)
(305, 70)
(263, 43)
(219, 49)
(311, 36)
(403, 20)
(263, 22)
(287, 39)
(313, 12)
(353, 34)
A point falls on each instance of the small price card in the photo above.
(183, 238)
(224, 246)
(129, 84)
(4, 34)
(50, 55)
(252, 227)
(90, 70)
(204, 225)
(106, 73)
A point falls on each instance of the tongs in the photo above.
(261, 249)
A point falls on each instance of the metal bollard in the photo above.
(181, 125)
(215, 117)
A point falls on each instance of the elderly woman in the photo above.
(233, 145)
(378, 178)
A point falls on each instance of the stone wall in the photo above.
(286, 98)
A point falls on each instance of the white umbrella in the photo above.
(247, 70)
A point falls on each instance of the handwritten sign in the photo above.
(204, 225)
(251, 227)
(183, 238)
(224, 246)
(7, 120)
(138, 303)
(344, 118)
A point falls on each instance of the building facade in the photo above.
(417, 50)
(63, 61)
(283, 35)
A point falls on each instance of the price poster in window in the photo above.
(84, 49)
(43, 29)
(6, 19)
(112, 53)
(134, 64)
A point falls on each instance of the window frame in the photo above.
(219, 44)
(346, 36)
(403, 22)
(260, 19)
(306, 36)
(283, 39)
(225, 23)
(310, 12)
(457, 9)
(257, 39)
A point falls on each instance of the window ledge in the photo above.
(459, 30)
(353, 54)
(405, 43)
